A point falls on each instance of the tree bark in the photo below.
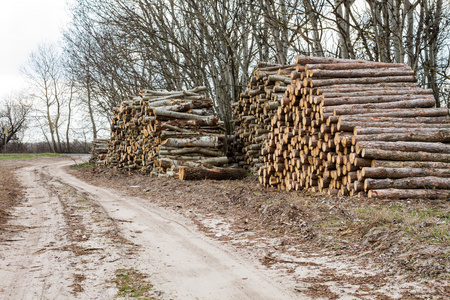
(213, 121)
(415, 103)
(367, 172)
(440, 135)
(403, 146)
(344, 100)
(353, 65)
(409, 164)
(380, 130)
(352, 124)
(309, 82)
(355, 73)
(187, 173)
(178, 115)
(407, 183)
(404, 156)
(203, 141)
(408, 193)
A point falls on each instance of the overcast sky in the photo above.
(23, 25)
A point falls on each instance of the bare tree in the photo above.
(52, 92)
(13, 119)
(119, 46)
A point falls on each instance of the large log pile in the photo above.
(350, 128)
(159, 132)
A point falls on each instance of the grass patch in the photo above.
(132, 284)
(425, 224)
(27, 156)
(82, 166)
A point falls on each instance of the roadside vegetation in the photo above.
(133, 284)
(27, 156)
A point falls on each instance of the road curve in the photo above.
(181, 261)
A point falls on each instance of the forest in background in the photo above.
(116, 48)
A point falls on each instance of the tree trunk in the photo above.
(367, 172)
(415, 103)
(351, 125)
(308, 82)
(353, 65)
(366, 100)
(395, 112)
(379, 130)
(178, 115)
(203, 141)
(213, 121)
(401, 155)
(187, 150)
(413, 194)
(403, 146)
(408, 183)
(409, 164)
(187, 173)
(356, 73)
(440, 135)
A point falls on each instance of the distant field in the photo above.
(27, 156)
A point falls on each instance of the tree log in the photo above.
(403, 146)
(350, 125)
(379, 130)
(359, 80)
(356, 91)
(178, 115)
(408, 193)
(353, 65)
(415, 103)
(404, 156)
(367, 172)
(407, 183)
(203, 141)
(194, 123)
(363, 119)
(355, 73)
(214, 174)
(395, 112)
(187, 150)
(409, 164)
(367, 100)
(440, 135)
(304, 60)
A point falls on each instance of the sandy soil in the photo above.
(202, 240)
(73, 230)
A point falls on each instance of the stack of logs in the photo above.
(99, 151)
(159, 132)
(256, 107)
(347, 127)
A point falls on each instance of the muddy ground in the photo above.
(317, 247)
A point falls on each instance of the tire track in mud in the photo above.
(95, 239)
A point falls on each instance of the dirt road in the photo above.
(69, 238)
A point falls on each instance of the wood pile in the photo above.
(256, 107)
(345, 127)
(159, 132)
(99, 151)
